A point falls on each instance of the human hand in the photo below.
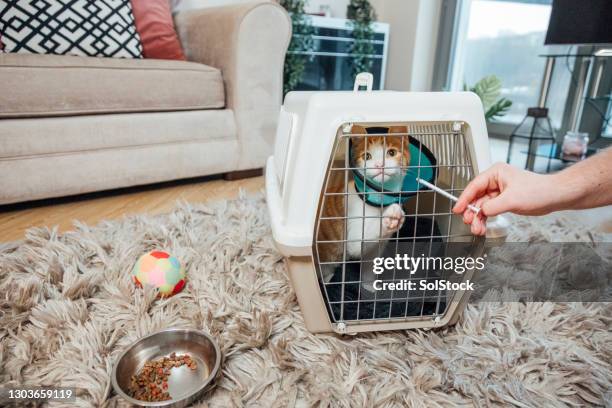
(504, 188)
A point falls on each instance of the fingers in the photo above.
(497, 205)
(476, 188)
(476, 226)
(468, 215)
(483, 192)
(479, 225)
(478, 222)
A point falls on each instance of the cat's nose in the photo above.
(378, 165)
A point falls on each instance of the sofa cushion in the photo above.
(155, 26)
(36, 137)
(104, 28)
(51, 157)
(52, 85)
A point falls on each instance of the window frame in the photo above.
(446, 53)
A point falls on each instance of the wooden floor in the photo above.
(156, 199)
(91, 209)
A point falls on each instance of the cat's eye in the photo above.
(368, 156)
(391, 152)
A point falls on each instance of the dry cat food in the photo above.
(151, 383)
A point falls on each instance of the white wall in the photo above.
(413, 35)
(337, 7)
(424, 53)
(191, 4)
(413, 38)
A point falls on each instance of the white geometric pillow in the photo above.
(95, 28)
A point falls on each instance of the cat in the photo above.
(368, 152)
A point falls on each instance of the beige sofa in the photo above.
(70, 125)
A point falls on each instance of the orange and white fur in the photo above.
(379, 222)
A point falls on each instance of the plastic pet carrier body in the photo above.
(343, 193)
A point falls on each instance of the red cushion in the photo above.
(156, 29)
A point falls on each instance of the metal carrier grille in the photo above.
(351, 234)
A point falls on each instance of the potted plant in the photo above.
(301, 42)
(361, 15)
(488, 90)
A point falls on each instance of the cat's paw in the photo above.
(393, 218)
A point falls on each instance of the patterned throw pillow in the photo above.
(100, 28)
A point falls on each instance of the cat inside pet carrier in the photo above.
(357, 191)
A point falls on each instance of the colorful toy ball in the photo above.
(159, 270)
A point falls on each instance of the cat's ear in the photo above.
(358, 142)
(398, 129)
(400, 140)
(358, 130)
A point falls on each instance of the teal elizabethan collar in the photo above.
(397, 189)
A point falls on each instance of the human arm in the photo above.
(504, 188)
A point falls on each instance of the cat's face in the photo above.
(383, 157)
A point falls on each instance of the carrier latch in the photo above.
(364, 79)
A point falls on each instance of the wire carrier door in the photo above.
(352, 227)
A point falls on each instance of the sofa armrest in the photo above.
(247, 42)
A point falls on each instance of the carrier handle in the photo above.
(363, 79)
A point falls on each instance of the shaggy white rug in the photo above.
(68, 308)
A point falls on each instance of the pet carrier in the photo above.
(342, 194)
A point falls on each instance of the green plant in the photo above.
(488, 90)
(301, 43)
(361, 14)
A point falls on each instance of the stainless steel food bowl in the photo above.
(184, 385)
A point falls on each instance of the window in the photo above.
(505, 38)
(607, 125)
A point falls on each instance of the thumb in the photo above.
(495, 206)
